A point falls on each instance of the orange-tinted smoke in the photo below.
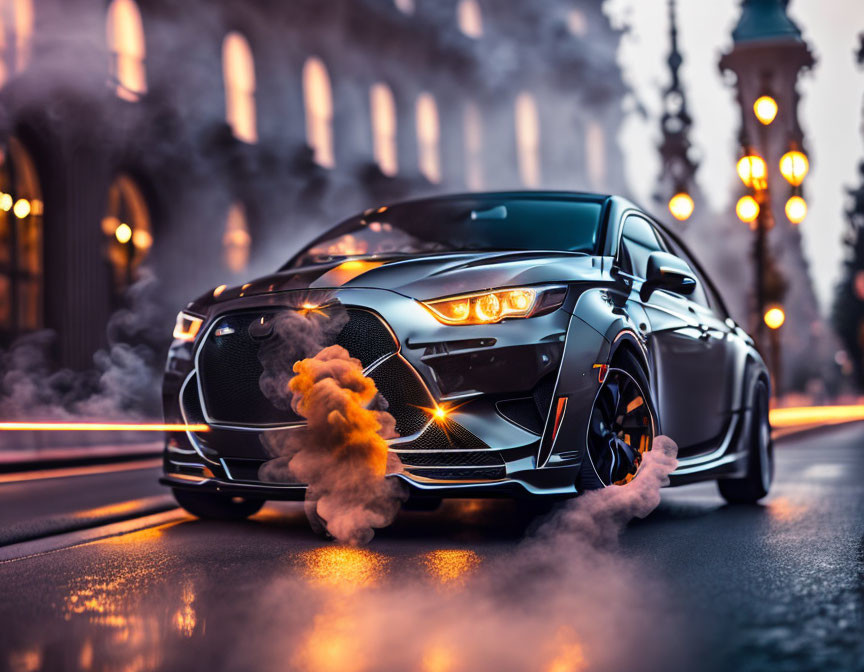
(342, 453)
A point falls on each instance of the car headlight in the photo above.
(496, 305)
(187, 326)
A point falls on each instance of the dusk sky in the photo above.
(830, 109)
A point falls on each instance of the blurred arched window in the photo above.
(577, 24)
(470, 18)
(384, 145)
(318, 99)
(238, 71)
(528, 139)
(236, 241)
(405, 6)
(21, 269)
(16, 36)
(125, 34)
(428, 135)
(474, 177)
(595, 155)
(128, 234)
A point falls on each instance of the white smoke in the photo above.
(563, 600)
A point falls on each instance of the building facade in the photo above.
(207, 140)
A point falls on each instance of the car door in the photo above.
(719, 349)
(680, 350)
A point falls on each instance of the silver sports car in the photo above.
(528, 344)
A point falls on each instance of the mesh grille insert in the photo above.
(460, 474)
(452, 459)
(404, 393)
(230, 370)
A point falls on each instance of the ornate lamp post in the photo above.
(766, 59)
(677, 180)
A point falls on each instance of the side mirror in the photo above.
(666, 271)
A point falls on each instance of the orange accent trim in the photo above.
(559, 414)
(604, 370)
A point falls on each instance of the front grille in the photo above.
(405, 393)
(455, 452)
(462, 458)
(440, 437)
(481, 474)
(230, 370)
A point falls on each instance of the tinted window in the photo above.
(638, 241)
(462, 224)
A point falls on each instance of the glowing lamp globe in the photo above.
(123, 233)
(747, 209)
(794, 166)
(753, 171)
(774, 318)
(765, 109)
(681, 206)
(796, 209)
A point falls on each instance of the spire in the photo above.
(678, 167)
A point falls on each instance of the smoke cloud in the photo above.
(341, 453)
(123, 383)
(564, 600)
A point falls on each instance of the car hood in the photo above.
(428, 277)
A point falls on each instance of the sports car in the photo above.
(527, 344)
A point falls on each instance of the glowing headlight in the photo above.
(187, 326)
(496, 305)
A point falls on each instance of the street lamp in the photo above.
(794, 167)
(681, 206)
(766, 58)
(765, 109)
(774, 318)
(753, 171)
(747, 209)
(796, 209)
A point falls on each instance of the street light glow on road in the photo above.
(99, 427)
(815, 415)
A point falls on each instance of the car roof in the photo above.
(546, 194)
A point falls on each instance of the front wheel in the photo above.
(760, 458)
(217, 507)
(621, 428)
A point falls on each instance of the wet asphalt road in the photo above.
(773, 587)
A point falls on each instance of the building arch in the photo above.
(21, 241)
(236, 240)
(128, 231)
(428, 137)
(469, 16)
(127, 49)
(385, 146)
(238, 73)
(318, 105)
(528, 139)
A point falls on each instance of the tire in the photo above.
(760, 458)
(629, 378)
(217, 507)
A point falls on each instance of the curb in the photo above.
(15, 461)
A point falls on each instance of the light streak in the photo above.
(814, 415)
(98, 427)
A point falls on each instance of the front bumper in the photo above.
(499, 380)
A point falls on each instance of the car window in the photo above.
(638, 241)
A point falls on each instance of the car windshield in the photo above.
(473, 223)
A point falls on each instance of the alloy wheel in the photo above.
(621, 428)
